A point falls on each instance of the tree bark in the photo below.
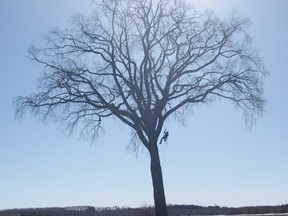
(158, 186)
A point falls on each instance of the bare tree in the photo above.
(142, 61)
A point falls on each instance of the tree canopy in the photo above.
(142, 61)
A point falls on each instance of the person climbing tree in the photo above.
(165, 136)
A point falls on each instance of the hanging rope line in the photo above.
(165, 139)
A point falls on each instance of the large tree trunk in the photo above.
(157, 180)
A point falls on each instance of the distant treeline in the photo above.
(217, 210)
(174, 210)
(71, 211)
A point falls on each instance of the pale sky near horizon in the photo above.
(214, 159)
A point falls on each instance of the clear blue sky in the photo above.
(213, 159)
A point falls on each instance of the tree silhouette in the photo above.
(143, 61)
